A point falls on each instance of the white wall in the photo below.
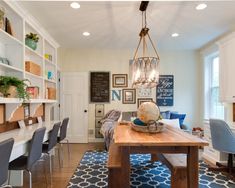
(182, 64)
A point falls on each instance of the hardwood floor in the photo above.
(60, 176)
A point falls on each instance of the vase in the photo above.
(31, 43)
(12, 92)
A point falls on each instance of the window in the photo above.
(213, 107)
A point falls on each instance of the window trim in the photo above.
(208, 84)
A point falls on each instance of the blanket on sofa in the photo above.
(109, 121)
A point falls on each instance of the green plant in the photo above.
(32, 36)
(7, 81)
(2, 13)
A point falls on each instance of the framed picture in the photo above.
(144, 92)
(141, 100)
(120, 80)
(128, 96)
(99, 87)
(165, 91)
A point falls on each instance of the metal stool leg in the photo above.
(50, 165)
(9, 176)
(61, 154)
(30, 179)
(68, 147)
(59, 157)
(45, 172)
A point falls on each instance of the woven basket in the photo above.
(159, 127)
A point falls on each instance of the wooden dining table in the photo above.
(170, 140)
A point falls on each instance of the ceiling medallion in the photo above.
(144, 69)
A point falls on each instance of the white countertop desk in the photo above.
(22, 136)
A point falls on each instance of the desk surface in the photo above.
(23, 135)
(125, 136)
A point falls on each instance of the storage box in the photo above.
(32, 68)
(51, 93)
(33, 92)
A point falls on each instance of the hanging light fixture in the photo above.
(144, 69)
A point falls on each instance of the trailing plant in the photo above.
(7, 81)
(32, 36)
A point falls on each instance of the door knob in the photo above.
(85, 111)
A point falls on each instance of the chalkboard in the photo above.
(99, 87)
(165, 90)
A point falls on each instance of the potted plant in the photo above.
(13, 87)
(2, 13)
(31, 40)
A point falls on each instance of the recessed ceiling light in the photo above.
(86, 33)
(175, 34)
(201, 6)
(75, 5)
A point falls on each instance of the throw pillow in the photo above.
(165, 114)
(181, 117)
(171, 122)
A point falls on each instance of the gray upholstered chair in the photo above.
(223, 140)
(52, 141)
(35, 151)
(5, 153)
(62, 137)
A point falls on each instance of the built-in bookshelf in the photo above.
(14, 49)
(16, 53)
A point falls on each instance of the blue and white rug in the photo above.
(93, 173)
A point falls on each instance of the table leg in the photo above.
(192, 167)
(125, 169)
(154, 157)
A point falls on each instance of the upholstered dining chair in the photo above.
(5, 153)
(35, 151)
(223, 140)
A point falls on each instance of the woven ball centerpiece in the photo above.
(148, 115)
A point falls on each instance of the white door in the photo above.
(74, 104)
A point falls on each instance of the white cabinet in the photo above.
(227, 68)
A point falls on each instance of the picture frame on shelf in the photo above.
(129, 96)
(142, 100)
(120, 80)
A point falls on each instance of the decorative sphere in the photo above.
(148, 111)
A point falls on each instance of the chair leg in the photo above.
(61, 154)
(59, 157)
(45, 172)
(30, 179)
(68, 147)
(50, 165)
(9, 176)
(230, 163)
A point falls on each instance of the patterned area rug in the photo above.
(93, 173)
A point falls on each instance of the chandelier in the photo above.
(144, 69)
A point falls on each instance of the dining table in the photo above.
(170, 140)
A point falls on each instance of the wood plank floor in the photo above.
(60, 176)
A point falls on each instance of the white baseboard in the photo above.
(95, 140)
(211, 159)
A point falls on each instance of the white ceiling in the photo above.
(116, 25)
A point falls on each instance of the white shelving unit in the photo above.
(14, 49)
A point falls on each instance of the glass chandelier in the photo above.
(144, 69)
